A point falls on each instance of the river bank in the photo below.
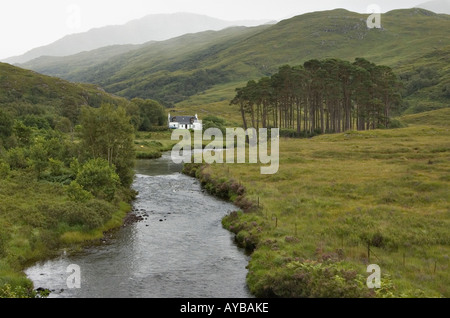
(174, 250)
(314, 227)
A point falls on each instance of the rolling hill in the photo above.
(24, 92)
(190, 68)
(154, 27)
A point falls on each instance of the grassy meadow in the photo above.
(340, 202)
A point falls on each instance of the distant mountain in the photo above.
(414, 42)
(157, 27)
(68, 67)
(437, 6)
(154, 55)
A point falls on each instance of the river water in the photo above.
(179, 249)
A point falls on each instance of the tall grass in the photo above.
(349, 199)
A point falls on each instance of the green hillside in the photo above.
(438, 117)
(413, 42)
(69, 67)
(58, 189)
(23, 92)
(148, 71)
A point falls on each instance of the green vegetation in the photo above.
(326, 96)
(107, 133)
(192, 68)
(338, 203)
(71, 67)
(151, 145)
(309, 227)
(59, 188)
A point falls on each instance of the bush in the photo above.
(90, 215)
(75, 214)
(103, 209)
(214, 122)
(4, 170)
(99, 178)
(395, 123)
(76, 193)
(38, 122)
(23, 133)
(56, 167)
(311, 279)
(8, 291)
(16, 158)
(6, 124)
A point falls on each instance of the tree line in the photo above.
(321, 96)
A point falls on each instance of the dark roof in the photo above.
(185, 120)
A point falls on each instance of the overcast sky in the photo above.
(26, 24)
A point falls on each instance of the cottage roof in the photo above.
(184, 120)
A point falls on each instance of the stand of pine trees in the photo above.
(327, 96)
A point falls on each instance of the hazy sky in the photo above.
(26, 24)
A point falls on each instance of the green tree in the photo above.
(107, 133)
(6, 124)
(23, 133)
(321, 96)
(151, 113)
(39, 157)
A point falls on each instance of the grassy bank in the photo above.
(341, 202)
(151, 145)
(38, 221)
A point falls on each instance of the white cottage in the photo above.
(185, 122)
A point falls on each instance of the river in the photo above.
(179, 249)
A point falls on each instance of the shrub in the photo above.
(8, 291)
(6, 124)
(56, 166)
(23, 133)
(214, 122)
(76, 193)
(75, 214)
(395, 123)
(311, 279)
(4, 170)
(104, 209)
(99, 178)
(16, 158)
(91, 215)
